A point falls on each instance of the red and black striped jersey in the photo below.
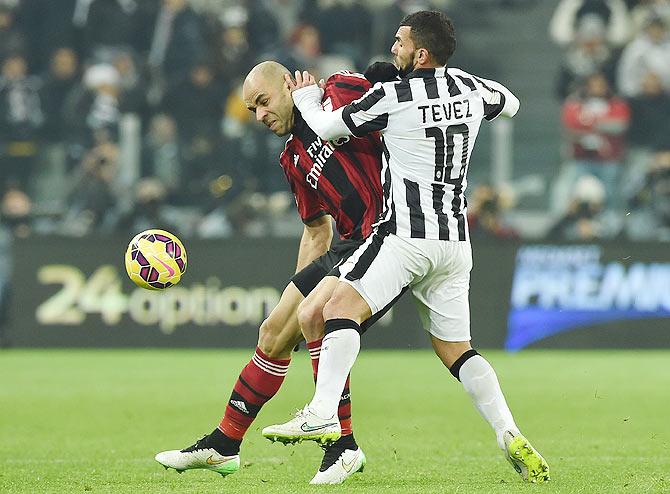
(340, 178)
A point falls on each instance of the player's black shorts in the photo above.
(329, 265)
(326, 265)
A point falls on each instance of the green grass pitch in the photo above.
(91, 421)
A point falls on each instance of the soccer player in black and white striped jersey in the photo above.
(429, 120)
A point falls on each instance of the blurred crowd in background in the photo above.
(88, 87)
(614, 82)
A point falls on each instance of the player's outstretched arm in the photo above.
(307, 98)
(512, 103)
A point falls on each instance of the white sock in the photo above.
(339, 350)
(480, 381)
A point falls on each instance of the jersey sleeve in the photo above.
(307, 202)
(328, 125)
(498, 100)
(369, 113)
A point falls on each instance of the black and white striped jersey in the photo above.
(429, 122)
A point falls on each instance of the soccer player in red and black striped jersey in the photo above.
(337, 181)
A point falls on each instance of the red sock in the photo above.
(344, 409)
(314, 349)
(259, 381)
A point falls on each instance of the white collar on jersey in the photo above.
(426, 73)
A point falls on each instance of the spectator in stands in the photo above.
(196, 103)
(303, 50)
(108, 25)
(197, 106)
(648, 52)
(92, 110)
(645, 10)
(12, 39)
(237, 119)
(177, 43)
(249, 147)
(287, 14)
(595, 122)
(589, 54)
(160, 156)
(92, 200)
(486, 213)
(650, 216)
(259, 19)
(15, 211)
(263, 30)
(569, 13)
(132, 85)
(150, 208)
(345, 27)
(583, 219)
(243, 142)
(220, 166)
(21, 118)
(59, 82)
(650, 118)
(46, 24)
(232, 50)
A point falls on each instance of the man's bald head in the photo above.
(266, 94)
(267, 73)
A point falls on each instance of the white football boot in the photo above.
(305, 427)
(199, 456)
(341, 460)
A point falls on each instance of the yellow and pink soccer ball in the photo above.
(155, 259)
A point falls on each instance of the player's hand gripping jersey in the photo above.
(342, 177)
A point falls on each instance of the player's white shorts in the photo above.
(437, 271)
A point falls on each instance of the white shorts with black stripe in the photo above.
(436, 271)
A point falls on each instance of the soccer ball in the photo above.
(155, 259)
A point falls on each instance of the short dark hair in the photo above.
(433, 31)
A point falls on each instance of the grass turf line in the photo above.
(91, 421)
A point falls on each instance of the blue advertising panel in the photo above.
(619, 292)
